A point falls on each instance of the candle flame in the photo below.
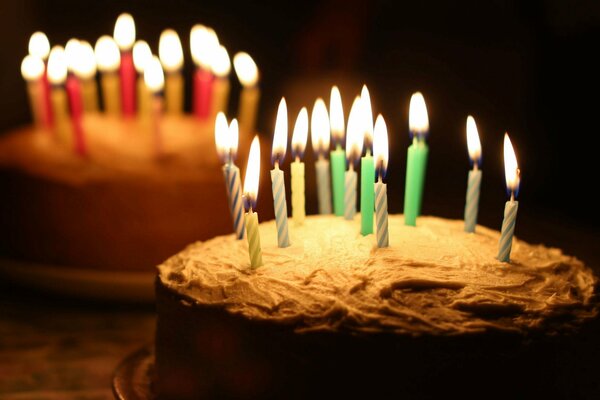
(355, 134)
(319, 127)
(380, 146)
(367, 116)
(108, 57)
(281, 132)
(252, 175)
(226, 138)
(170, 51)
(336, 117)
(124, 32)
(300, 134)
(39, 45)
(57, 66)
(72, 54)
(473, 142)
(418, 120)
(511, 167)
(234, 137)
(221, 65)
(246, 69)
(141, 55)
(154, 76)
(32, 68)
(204, 44)
(85, 68)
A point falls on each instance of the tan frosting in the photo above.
(433, 279)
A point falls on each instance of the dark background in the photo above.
(523, 67)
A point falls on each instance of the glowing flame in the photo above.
(246, 69)
(234, 137)
(367, 116)
(154, 76)
(355, 135)
(141, 55)
(418, 121)
(85, 67)
(72, 54)
(320, 134)
(221, 65)
(32, 68)
(108, 56)
(473, 142)
(336, 116)
(511, 167)
(281, 132)
(170, 50)
(226, 138)
(124, 32)
(380, 146)
(39, 45)
(57, 66)
(300, 134)
(252, 174)
(204, 44)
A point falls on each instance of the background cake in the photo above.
(333, 315)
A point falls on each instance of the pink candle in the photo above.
(46, 108)
(203, 88)
(128, 78)
(76, 105)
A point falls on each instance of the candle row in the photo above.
(366, 141)
(62, 86)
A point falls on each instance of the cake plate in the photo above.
(133, 377)
(93, 284)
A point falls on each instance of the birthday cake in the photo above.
(333, 315)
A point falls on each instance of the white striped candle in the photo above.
(381, 214)
(472, 200)
(234, 194)
(381, 155)
(350, 194)
(508, 230)
(323, 185)
(279, 203)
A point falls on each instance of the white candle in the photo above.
(320, 138)
(297, 168)
(354, 145)
(381, 155)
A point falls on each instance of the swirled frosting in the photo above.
(433, 279)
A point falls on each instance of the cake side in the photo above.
(434, 279)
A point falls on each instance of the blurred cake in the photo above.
(333, 315)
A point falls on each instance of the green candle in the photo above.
(367, 193)
(338, 168)
(416, 163)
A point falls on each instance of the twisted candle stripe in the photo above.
(381, 214)
(472, 200)
(350, 195)
(323, 186)
(253, 239)
(234, 193)
(508, 229)
(280, 206)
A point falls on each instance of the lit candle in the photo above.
(320, 138)
(108, 59)
(221, 67)
(277, 181)
(155, 81)
(32, 69)
(247, 73)
(57, 75)
(381, 155)
(354, 145)
(337, 155)
(416, 163)
(141, 57)
(171, 56)
(124, 34)
(39, 47)
(226, 139)
(474, 180)
(203, 44)
(297, 168)
(85, 70)
(367, 167)
(73, 57)
(250, 197)
(513, 180)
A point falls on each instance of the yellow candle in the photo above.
(85, 70)
(250, 196)
(247, 73)
(108, 59)
(155, 81)
(57, 74)
(110, 93)
(221, 67)
(171, 57)
(32, 69)
(297, 168)
(141, 57)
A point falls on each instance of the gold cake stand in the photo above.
(133, 377)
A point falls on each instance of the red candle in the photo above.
(203, 88)
(128, 78)
(76, 105)
(46, 109)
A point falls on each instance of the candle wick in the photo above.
(276, 164)
(512, 197)
(475, 165)
(297, 159)
(380, 180)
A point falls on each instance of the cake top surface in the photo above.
(433, 279)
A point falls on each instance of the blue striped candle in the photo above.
(234, 193)
(381, 214)
(508, 230)
(279, 203)
(350, 194)
(323, 185)
(472, 200)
